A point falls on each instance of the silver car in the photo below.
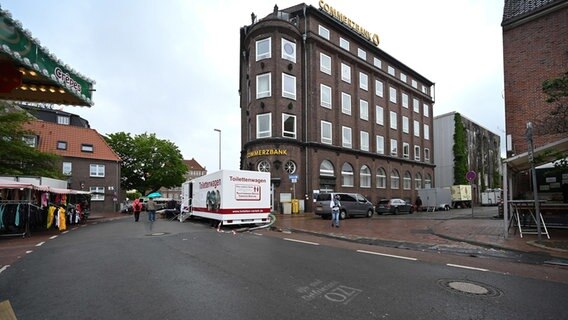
(352, 204)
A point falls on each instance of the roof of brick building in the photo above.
(193, 165)
(516, 9)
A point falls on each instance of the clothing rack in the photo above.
(26, 228)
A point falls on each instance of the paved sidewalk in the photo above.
(459, 229)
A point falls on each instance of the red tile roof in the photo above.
(51, 133)
(193, 165)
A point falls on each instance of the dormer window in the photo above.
(87, 147)
(63, 120)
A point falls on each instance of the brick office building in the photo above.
(323, 106)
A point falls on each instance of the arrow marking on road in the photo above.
(387, 255)
(465, 267)
(301, 241)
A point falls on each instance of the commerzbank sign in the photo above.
(373, 37)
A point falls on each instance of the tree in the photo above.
(460, 151)
(555, 121)
(16, 156)
(148, 163)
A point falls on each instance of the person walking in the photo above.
(418, 204)
(151, 208)
(136, 208)
(335, 205)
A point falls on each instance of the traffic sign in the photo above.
(293, 177)
(470, 176)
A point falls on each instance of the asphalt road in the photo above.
(171, 270)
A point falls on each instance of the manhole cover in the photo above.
(157, 234)
(469, 288)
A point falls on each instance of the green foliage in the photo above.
(148, 163)
(556, 121)
(460, 151)
(18, 158)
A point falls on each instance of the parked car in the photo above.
(352, 204)
(394, 206)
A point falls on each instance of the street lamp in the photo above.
(219, 130)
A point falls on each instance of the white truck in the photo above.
(461, 196)
(228, 196)
(435, 198)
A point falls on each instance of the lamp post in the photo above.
(529, 136)
(219, 130)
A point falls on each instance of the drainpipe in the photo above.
(306, 166)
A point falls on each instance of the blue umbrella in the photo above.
(154, 195)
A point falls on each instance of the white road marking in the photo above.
(40, 244)
(4, 268)
(64, 232)
(387, 255)
(301, 241)
(465, 267)
(29, 251)
(52, 237)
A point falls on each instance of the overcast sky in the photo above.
(171, 67)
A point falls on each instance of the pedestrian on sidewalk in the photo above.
(136, 208)
(335, 204)
(418, 204)
(151, 208)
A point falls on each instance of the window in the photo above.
(405, 124)
(417, 153)
(263, 85)
(404, 100)
(347, 175)
(393, 120)
(30, 140)
(391, 71)
(381, 178)
(363, 81)
(288, 126)
(290, 167)
(426, 109)
(379, 88)
(392, 95)
(344, 44)
(403, 77)
(263, 49)
(363, 110)
(97, 193)
(325, 96)
(394, 147)
(288, 50)
(263, 166)
(323, 32)
(326, 132)
(62, 145)
(326, 169)
(380, 144)
(416, 105)
(63, 120)
(418, 181)
(364, 136)
(288, 86)
(426, 132)
(428, 181)
(407, 181)
(395, 179)
(414, 84)
(365, 177)
(264, 125)
(97, 170)
(346, 103)
(416, 128)
(361, 53)
(405, 150)
(426, 155)
(378, 63)
(86, 147)
(346, 137)
(325, 63)
(67, 168)
(379, 115)
(345, 73)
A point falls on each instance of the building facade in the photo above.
(324, 109)
(483, 157)
(194, 170)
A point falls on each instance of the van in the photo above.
(352, 204)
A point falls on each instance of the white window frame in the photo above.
(323, 32)
(414, 84)
(264, 55)
(30, 140)
(379, 115)
(426, 155)
(362, 54)
(405, 124)
(86, 147)
(97, 170)
(381, 178)
(363, 81)
(288, 134)
(364, 140)
(365, 177)
(264, 119)
(346, 137)
(379, 88)
(65, 120)
(407, 181)
(393, 120)
(416, 128)
(97, 193)
(325, 63)
(416, 105)
(391, 71)
(403, 77)
(347, 177)
(285, 55)
(377, 62)
(418, 181)
(264, 77)
(405, 150)
(343, 43)
(380, 144)
(345, 72)
(393, 147)
(67, 168)
(323, 102)
(392, 94)
(286, 79)
(346, 103)
(426, 132)
(417, 153)
(426, 110)
(395, 179)
(61, 145)
(325, 126)
(363, 110)
(404, 98)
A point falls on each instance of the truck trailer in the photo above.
(461, 196)
(228, 196)
(435, 198)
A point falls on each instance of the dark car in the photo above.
(352, 204)
(394, 206)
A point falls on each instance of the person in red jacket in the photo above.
(136, 208)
